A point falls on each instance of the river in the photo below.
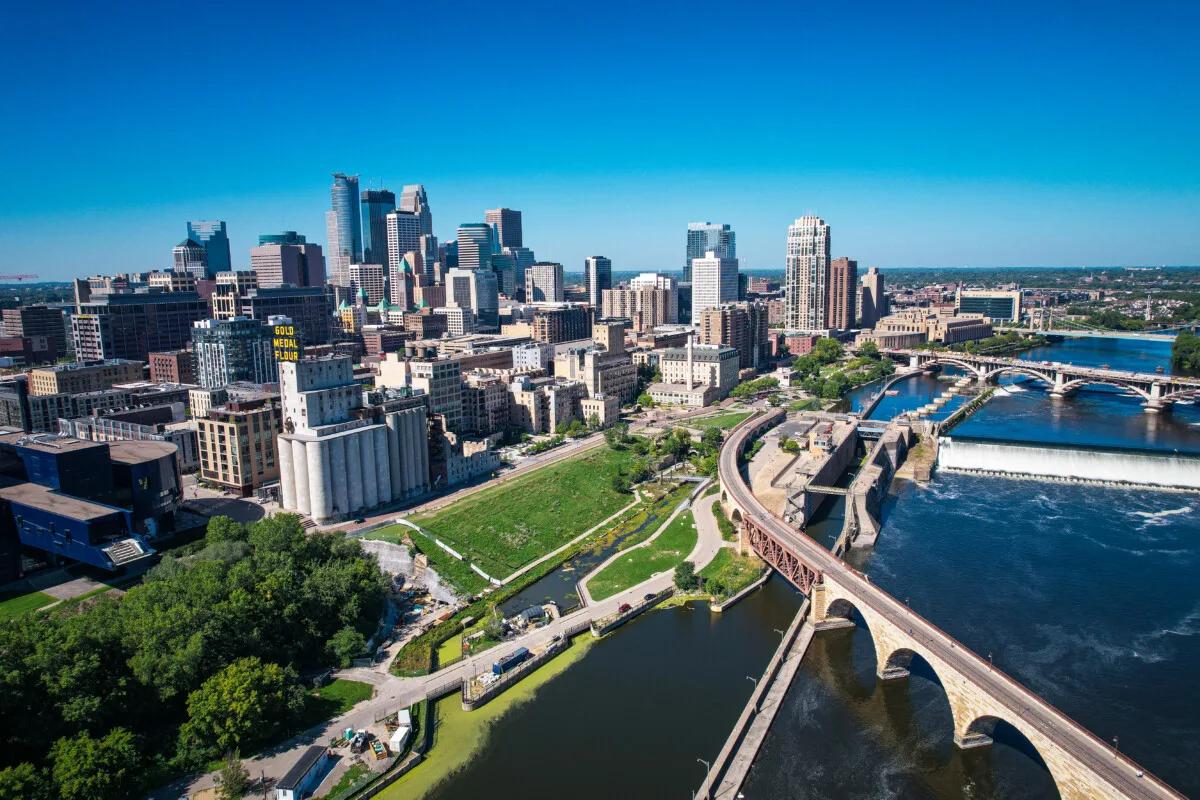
(1086, 594)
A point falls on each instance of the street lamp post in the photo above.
(707, 769)
(753, 680)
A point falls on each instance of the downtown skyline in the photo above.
(942, 150)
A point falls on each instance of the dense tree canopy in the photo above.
(204, 652)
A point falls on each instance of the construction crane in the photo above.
(23, 276)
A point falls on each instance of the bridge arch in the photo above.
(1071, 386)
(1181, 394)
(950, 361)
(1028, 372)
(986, 729)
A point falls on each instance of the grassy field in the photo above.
(457, 573)
(728, 573)
(333, 699)
(808, 404)
(671, 547)
(14, 606)
(723, 421)
(460, 735)
(503, 528)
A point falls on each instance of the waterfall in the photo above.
(1081, 463)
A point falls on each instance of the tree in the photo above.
(645, 400)
(344, 645)
(245, 703)
(685, 577)
(869, 349)
(24, 782)
(224, 529)
(96, 769)
(712, 438)
(280, 533)
(620, 482)
(827, 350)
(593, 422)
(789, 445)
(1185, 352)
(233, 781)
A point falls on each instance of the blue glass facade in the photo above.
(215, 239)
(344, 197)
(376, 205)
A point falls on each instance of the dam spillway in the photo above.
(1114, 466)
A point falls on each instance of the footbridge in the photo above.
(1156, 391)
(980, 695)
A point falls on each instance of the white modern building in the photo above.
(544, 282)
(477, 290)
(806, 274)
(340, 456)
(714, 282)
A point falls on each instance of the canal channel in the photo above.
(1085, 594)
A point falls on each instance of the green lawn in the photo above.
(723, 421)
(357, 774)
(16, 605)
(669, 549)
(450, 650)
(505, 527)
(333, 699)
(808, 404)
(728, 573)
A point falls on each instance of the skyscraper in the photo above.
(705, 237)
(714, 282)
(544, 283)
(806, 274)
(474, 245)
(212, 235)
(376, 205)
(284, 237)
(505, 267)
(414, 201)
(506, 223)
(874, 302)
(842, 294)
(597, 273)
(403, 236)
(190, 256)
(277, 265)
(343, 227)
(231, 350)
(477, 290)
(523, 259)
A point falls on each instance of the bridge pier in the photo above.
(971, 740)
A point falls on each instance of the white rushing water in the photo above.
(1107, 466)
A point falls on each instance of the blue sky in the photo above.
(925, 134)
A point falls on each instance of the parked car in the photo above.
(624, 607)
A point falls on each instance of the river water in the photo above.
(1087, 595)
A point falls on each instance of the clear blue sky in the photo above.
(960, 134)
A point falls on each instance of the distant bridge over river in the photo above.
(980, 695)
(1156, 391)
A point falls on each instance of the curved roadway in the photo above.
(1116, 769)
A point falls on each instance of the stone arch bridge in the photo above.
(1156, 391)
(1081, 765)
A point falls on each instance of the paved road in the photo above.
(1118, 770)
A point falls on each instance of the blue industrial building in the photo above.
(98, 503)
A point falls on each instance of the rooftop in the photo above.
(45, 442)
(137, 452)
(46, 499)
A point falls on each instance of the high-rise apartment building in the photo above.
(544, 282)
(742, 326)
(213, 236)
(190, 256)
(343, 227)
(474, 245)
(714, 282)
(568, 322)
(232, 350)
(376, 205)
(506, 225)
(843, 294)
(708, 237)
(806, 274)
(597, 273)
(277, 265)
(873, 304)
(414, 201)
(646, 308)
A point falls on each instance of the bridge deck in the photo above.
(1117, 770)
